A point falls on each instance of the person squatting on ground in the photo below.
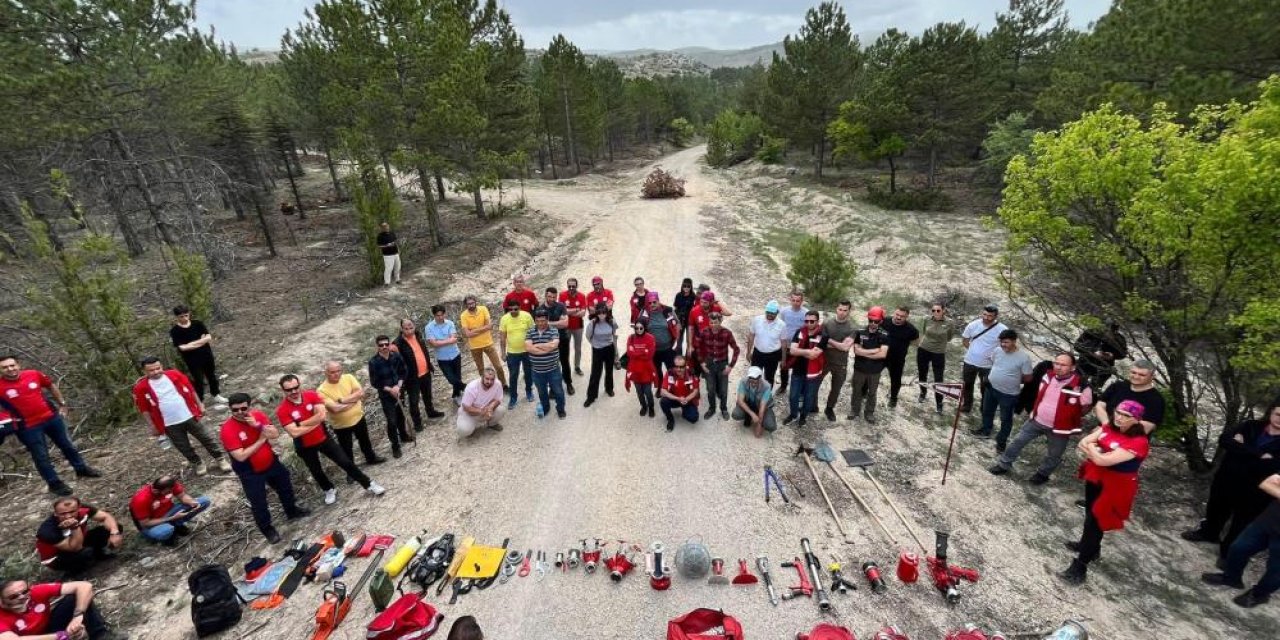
(936, 332)
(37, 419)
(679, 388)
(754, 406)
(1113, 455)
(542, 343)
(481, 406)
(247, 436)
(51, 611)
(302, 415)
(387, 374)
(390, 254)
(806, 361)
(714, 344)
(477, 328)
(167, 398)
(767, 341)
(192, 340)
(981, 339)
(442, 335)
(1262, 534)
(417, 380)
(638, 363)
(793, 318)
(660, 322)
(1010, 367)
(840, 332)
(902, 336)
(683, 302)
(343, 397)
(558, 318)
(162, 508)
(1063, 398)
(602, 336)
(512, 329)
(66, 543)
(870, 348)
(1251, 454)
(575, 303)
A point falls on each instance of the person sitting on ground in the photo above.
(1263, 534)
(66, 543)
(679, 389)
(755, 403)
(1064, 397)
(169, 401)
(481, 404)
(51, 611)
(465, 628)
(162, 508)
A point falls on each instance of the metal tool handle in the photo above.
(762, 563)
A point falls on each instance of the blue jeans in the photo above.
(1254, 540)
(992, 398)
(515, 362)
(551, 382)
(164, 531)
(803, 388)
(33, 438)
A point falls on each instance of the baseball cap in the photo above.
(754, 373)
(708, 296)
(875, 313)
(597, 280)
(771, 307)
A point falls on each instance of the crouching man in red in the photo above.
(679, 388)
(65, 542)
(51, 611)
(1112, 455)
(162, 508)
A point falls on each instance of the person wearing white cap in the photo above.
(755, 403)
(765, 340)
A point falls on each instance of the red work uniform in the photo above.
(700, 319)
(35, 619)
(527, 299)
(638, 304)
(49, 535)
(289, 411)
(573, 300)
(144, 398)
(1119, 482)
(681, 386)
(238, 435)
(604, 296)
(147, 505)
(25, 398)
(640, 352)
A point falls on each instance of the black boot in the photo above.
(1249, 599)
(1075, 574)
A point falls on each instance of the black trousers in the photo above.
(396, 432)
(644, 391)
(452, 370)
(1233, 500)
(75, 563)
(360, 433)
(255, 490)
(420, 388)
(565, 369)
(938, 362)
(1091, 538)
(768, 362)
(601, 366)
(64, 610)
(203, 371)
(969, 375)
(329, 449)
(663, 357)
(895, 363)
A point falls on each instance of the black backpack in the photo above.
(215, 603)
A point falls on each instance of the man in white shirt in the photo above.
(981, 339)
(765, 340)
(170, 402)
(481, 405)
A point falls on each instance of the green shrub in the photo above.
(195, 283)
(733, 137)
(821, 267)
(910, 199)
(682, 132)
(375, 202)
(771, 150)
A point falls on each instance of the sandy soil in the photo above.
(605, 472)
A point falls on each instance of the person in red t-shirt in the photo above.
(576, 305)
(35, 417)
(57, 610)
(162, 508)
(301, 414)
(700, 317)
(679, 389)
(599, 294)
(521, 295)
(247, 436)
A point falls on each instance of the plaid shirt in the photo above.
(715, 345)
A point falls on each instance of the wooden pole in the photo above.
(814, 472)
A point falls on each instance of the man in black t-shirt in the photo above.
(870, 349)
(390, 255)
(902, 334)
(558, 317)
(191, 339)
(1141, 388)
(66, 541)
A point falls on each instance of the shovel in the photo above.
(860, 459)
(803, 450)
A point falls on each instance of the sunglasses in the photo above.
(811, 322)
(678, 367)
(290, 389)
(383, 345)
(936, 310)
(239, 409)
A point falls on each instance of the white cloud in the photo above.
(713, 28)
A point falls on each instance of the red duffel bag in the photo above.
(826, 631)
(704, 624)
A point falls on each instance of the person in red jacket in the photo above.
(37, 419)
(301, 414)
(168, 399)
(51, 611)
(1113, 455)
(700, 317)
(679, 388)
(599, 295)
(639, 299)
(521, 295)
(640, 368)
(1063, 399)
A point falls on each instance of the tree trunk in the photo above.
(1174, 359)
(132, 242)
(434, 233)
(570, 143)
(551, 152)
(933, 165)
(262, 220)
(440, 192)
(293, 187)
(236, 203)
(822, 153)
(144, 187)
(386, 167)
(333, 175)
(475, 193)
(297, 162)
(893, 176)
(185, 177)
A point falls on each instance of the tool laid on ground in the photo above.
(485, 567)
(620, 564)
(872, 571)
(824, 453)
(717, 572)
(541, 566)
(762, 564)
(908, 567)
(815, 574)
(805, 588)
(430, 563)
(890, 633)
(794, 485)
(454, 566)
(805, 451)
(401, 558)
(770, 476)
(590, 559)
(511, 564)
(559, 564)
(693, 560)
(744, 576)
(839, 582)
(859, 458)
(526, 566)
(337, 602)
(659, 577)
(574, 559)
(946, 577)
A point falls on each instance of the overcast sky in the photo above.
(657, 24)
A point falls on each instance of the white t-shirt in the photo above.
(767, 335)
(172, 407)
(981, 349)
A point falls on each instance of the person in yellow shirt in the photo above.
(477, 327)
(344, 399)
(511, 330)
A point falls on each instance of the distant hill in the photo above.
(710, 58)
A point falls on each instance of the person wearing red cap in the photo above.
(521, 295)
(599, 295)
(700, 317)
(576, 304)
(1112, 457)
(870, 348)
(660, 322)
(639, 299)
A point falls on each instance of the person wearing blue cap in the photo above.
(765, 340)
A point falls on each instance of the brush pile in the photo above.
(661, 184)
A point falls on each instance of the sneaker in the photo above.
(831, 415)
(298, 512)
(538, 412)
(561, 415)
(724, 414)
(219, 399)
(1038, 479)
(88, 472)
(375, 488)
(938, 409)
(224, 465)
(853, 417)
(1075, 574)
(1000, 447)
(923, 395)
(997, 470)
(871, 418)
(417, 428)
(608, 392)
(511, 405)
(711, 413)
(577, 371)
(1220, 580)
(496, 427)
(671, 424)
(800, 425)
(433, 414)
(588, 402)
(1249, 600)
(644, 411)
(652, 412)
(201, 468)
(528, 396)
(980, 433)
(1196, 535)
(789, 419)
(409, 437)
(893, 403)
(273, 536)
(396, 453)
(457, 401)
(181, 530)
(375, 460)
(1072, 545)
(331, 496)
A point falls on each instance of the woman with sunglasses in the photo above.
(641, 371)
(51, 611)
(935, 333)
(1112, 455)
(602, 335)
(683, 303)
